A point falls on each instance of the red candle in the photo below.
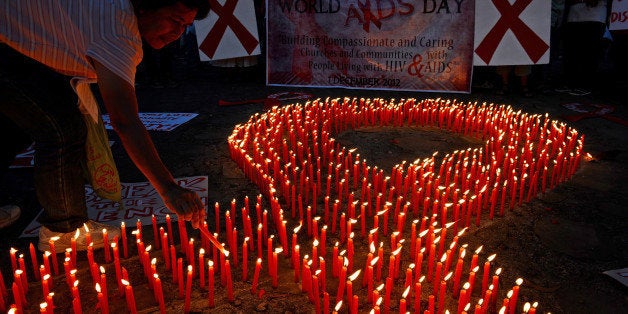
(45, 285)
(105, 237)
(22, 270)
(230, 296)
(76, 305)
(210, 282)
(402, 302)
(485, 273)
(154, 223)
(275, 278)
(258, 267)
(201, 267)
(34, 261)
(130, 297)
(102, 302)
(160, 294)
(188, 288)
(512, 303)
(12, 253)
(125, 250)
(75, 291)
(180, 277)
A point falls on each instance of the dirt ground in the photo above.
(560, 242)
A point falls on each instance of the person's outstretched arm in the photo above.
(121, 103)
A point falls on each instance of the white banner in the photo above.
(140, 200)
(512, 32)
(619, 15)
(229, 31)
(158, 121)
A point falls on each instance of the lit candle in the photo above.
(102, 302)
(201, 267)
(210, 282)
(130, 297)
(402, 302)
(188, 288)
(105, 237)
(275, 278)
(485, 273)
(512, 303)
(125, 250)
(155, 237)
(160, 294)
(258, 267)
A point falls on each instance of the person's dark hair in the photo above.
(151, 5)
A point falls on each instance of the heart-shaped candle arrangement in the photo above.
(290, 153)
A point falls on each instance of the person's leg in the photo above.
(523, 73)
(48, 112)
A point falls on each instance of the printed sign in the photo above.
(229, 31)
(26, 159)
(371, 44)
(512, 32)
(140, 201)
(158, 121)
(619, 15)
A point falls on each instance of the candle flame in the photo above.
(76, 283)
(297, 228)
(156, 276)
(509, 294)
(478, 250)
(519, 281)
(315, 243)
(475, 269)
(278, 250)
(19, 271)
(422, 279)
(98, 288)
(338, 306)
(374, 261)
(405, 292)
(448, 276)
(46, 253)
(462, 231)
(85, 227)
(210, 263)
(394, 253)
(54, 239)
(102, 270)
(190, 268)
(444, 258)
(380, 287)
(423, 233)
(491, 258)
(149, 247)
(526, 307)
(124, 282)
(502, 310)
(73, 271)
(379, 301)
(535, 304)
(43, 305)
(346, 262)
(466, 285)
(355, 275)
(153, 261)
(202, 250)
(373, 231)
(77, 233)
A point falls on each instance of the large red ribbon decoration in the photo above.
(534, 46)
(226, 18)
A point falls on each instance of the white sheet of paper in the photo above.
(158, 121)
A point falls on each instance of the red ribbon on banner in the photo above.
(533, 45)
(226, 18)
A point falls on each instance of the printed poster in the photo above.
(619, 15)
(371, 44)
(229, 31)
(158, 121)
(140, 201)
(512, 32)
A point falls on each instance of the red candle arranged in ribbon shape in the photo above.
(130, 297)
(210, 282)
(188, 288)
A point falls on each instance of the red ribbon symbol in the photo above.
(534, 46)
(368, 16)
(226, 18)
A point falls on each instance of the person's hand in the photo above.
(186, 204)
